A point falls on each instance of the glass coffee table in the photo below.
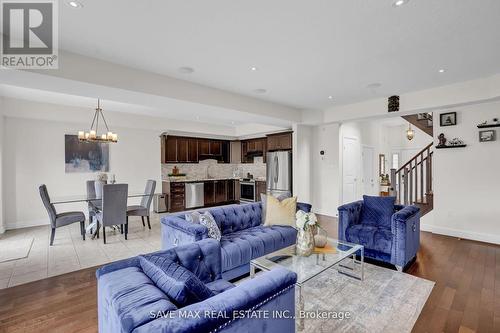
(336, 254)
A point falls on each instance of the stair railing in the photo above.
(412, 183)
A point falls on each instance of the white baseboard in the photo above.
(26, 224)
(465, 234)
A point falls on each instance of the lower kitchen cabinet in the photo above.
(220, 191)
(209, 191)
(260, 188)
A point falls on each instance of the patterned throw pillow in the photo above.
(208, 221)
(193, 217)
(378, 210)
(177, 282)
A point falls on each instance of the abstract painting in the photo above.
(85, 156)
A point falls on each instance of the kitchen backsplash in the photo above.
(210, 168)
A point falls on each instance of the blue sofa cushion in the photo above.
(132, 295)
(239, 247)
(219, 286)
(237, 217)
(372, 237)
(182, 286)
(377, 210)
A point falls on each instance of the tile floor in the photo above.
(71, 253)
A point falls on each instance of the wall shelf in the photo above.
(488, 126)
(446, 147)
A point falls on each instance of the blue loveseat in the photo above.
(243, 236)
(129, 301)
(390, 233)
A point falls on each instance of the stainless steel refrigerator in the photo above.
(279, 173)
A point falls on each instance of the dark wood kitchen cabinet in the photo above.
(177, 197)
(209, 193)
(253, 147)
(220, 191)
(170, 149)
(176, 149)
(260, 188)
(280, 141)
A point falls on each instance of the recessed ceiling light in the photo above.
(260, 91)
(330, 97)
(253, 68)
(442, 70)
(232, 122)
(75, 4)
(399, 3)
(374, 85)
(186, 70)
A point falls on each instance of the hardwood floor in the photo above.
(466, 297)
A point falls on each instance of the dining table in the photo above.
(93, 227)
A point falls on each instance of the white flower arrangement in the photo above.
(305, 220)
(101, 176)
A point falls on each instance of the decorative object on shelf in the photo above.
(320, 237)
(93, 134)
(393, 104)
(305, 223)
(384, 180)
(487, 136)
(175, 170)
(85, 156)
(410, 134)
(442, 140)
(494, 123)
(448, 119)
(456, 142)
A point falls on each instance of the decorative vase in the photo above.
(305, 242)
(321, 237)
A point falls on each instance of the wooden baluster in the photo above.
(405, 186)
(399, 188)
(410, 181)
(430, 173)
(422, 177)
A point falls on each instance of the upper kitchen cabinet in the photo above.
(176, 149)
(253, 147)
(279, 141)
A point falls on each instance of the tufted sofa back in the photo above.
(237, 217)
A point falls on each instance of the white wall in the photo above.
(302, 153)
(34, 154)
(466, 180)
(325, 173)
(2, 220)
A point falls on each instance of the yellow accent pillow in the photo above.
(280, 212)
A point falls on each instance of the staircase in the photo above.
(422, 121)
(412, 183)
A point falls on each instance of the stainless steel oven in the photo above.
(247, 191)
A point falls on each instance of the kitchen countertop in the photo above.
(194, 180)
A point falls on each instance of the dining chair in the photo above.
(94, 206)
(143, 209)
(61, 219)
(114, 208)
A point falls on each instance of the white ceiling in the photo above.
(304, 50)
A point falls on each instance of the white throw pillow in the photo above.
(193, 217)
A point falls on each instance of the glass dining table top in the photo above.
(85, 198)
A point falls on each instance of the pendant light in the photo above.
(410, 134)
(93, 134)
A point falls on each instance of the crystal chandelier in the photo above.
(93, 135)
(410, 133)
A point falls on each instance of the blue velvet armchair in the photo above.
(390, 233)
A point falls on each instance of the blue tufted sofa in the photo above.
(128, 301)
(393, 238)
(243, 236)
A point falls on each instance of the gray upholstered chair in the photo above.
(143, 209)
(94, 206)
(62, 219)
(114, 208)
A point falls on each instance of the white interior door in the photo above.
(350, 174)
(368, 156)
